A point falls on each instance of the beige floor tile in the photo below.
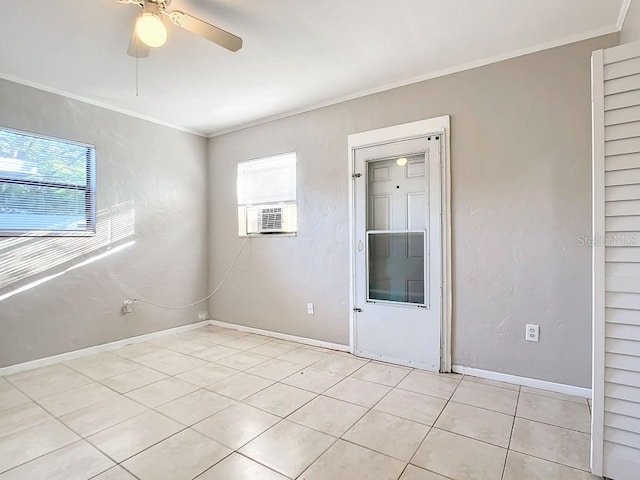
(343, 365)
(520, 467)
(134, 379)
(240, 386)
(328, 351)
(116, 473)
(170, 362)
(243, 360)
(459, 457)
(237, 467)
(10, 396)
(175, 338)
(180, 457)
(247, 342)
(134, 435)
(328, 415)
(47, 381)
(560, 413)
(492, 383)
(280, 399)
(381, 373)
(313, 379)
(102, 365)
(414, 473)
(77, 461)
(429, 384)
(559, 396)
(195, 406)
(357, 391)
(161, 392)
(345, 460)
(215, 353)
(485, 396)
(288, 448)
(384, 433)
(135, 350)
(185, 344)
(210, 366)
(235, 426)
(22, 417)
(202, 334)
(76, 399)
(291, 343)
(275, 369)
(95, 418)
(412, 406)
(207, 374)
(274, 349)
(26, 445)
(224, 335)
(304, 356)
(475, 422)
(556, 444)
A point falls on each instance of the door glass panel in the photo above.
(396, 266)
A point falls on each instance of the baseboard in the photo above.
(43, 362)
(524, 381)
(282, 336)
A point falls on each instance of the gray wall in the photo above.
(631, 28)
(163, 173)
(521, 196)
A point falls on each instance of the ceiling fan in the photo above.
(149, 30)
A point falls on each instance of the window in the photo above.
(46, 186)
(267, 195)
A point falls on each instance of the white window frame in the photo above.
(289, 206)
(89, 189)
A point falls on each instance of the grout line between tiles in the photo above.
(513, 424)
(367, 410)
(2, 472)
(550, 461)
(553, 425)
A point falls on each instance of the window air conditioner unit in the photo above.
(280, 218)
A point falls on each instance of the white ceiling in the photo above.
(297, 53)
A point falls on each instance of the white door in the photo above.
(397, 251)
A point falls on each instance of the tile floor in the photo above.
(217, 404)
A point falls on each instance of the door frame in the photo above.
(395, 133)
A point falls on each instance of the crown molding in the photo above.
(441, 73)
(96, 103)
(448, 71)
(624, 9)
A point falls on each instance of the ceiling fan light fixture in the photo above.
(151, 30)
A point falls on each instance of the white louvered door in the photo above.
(615, 449)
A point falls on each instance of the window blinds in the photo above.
(267, 180)
(46, 186)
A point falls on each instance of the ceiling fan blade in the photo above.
(205, 30)
(136, 48)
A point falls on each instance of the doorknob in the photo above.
(360, 245)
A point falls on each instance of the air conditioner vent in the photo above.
(271, 219)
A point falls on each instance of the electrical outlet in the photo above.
(309, 308)
(203, 315)
(127, 306)
(533, 333)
